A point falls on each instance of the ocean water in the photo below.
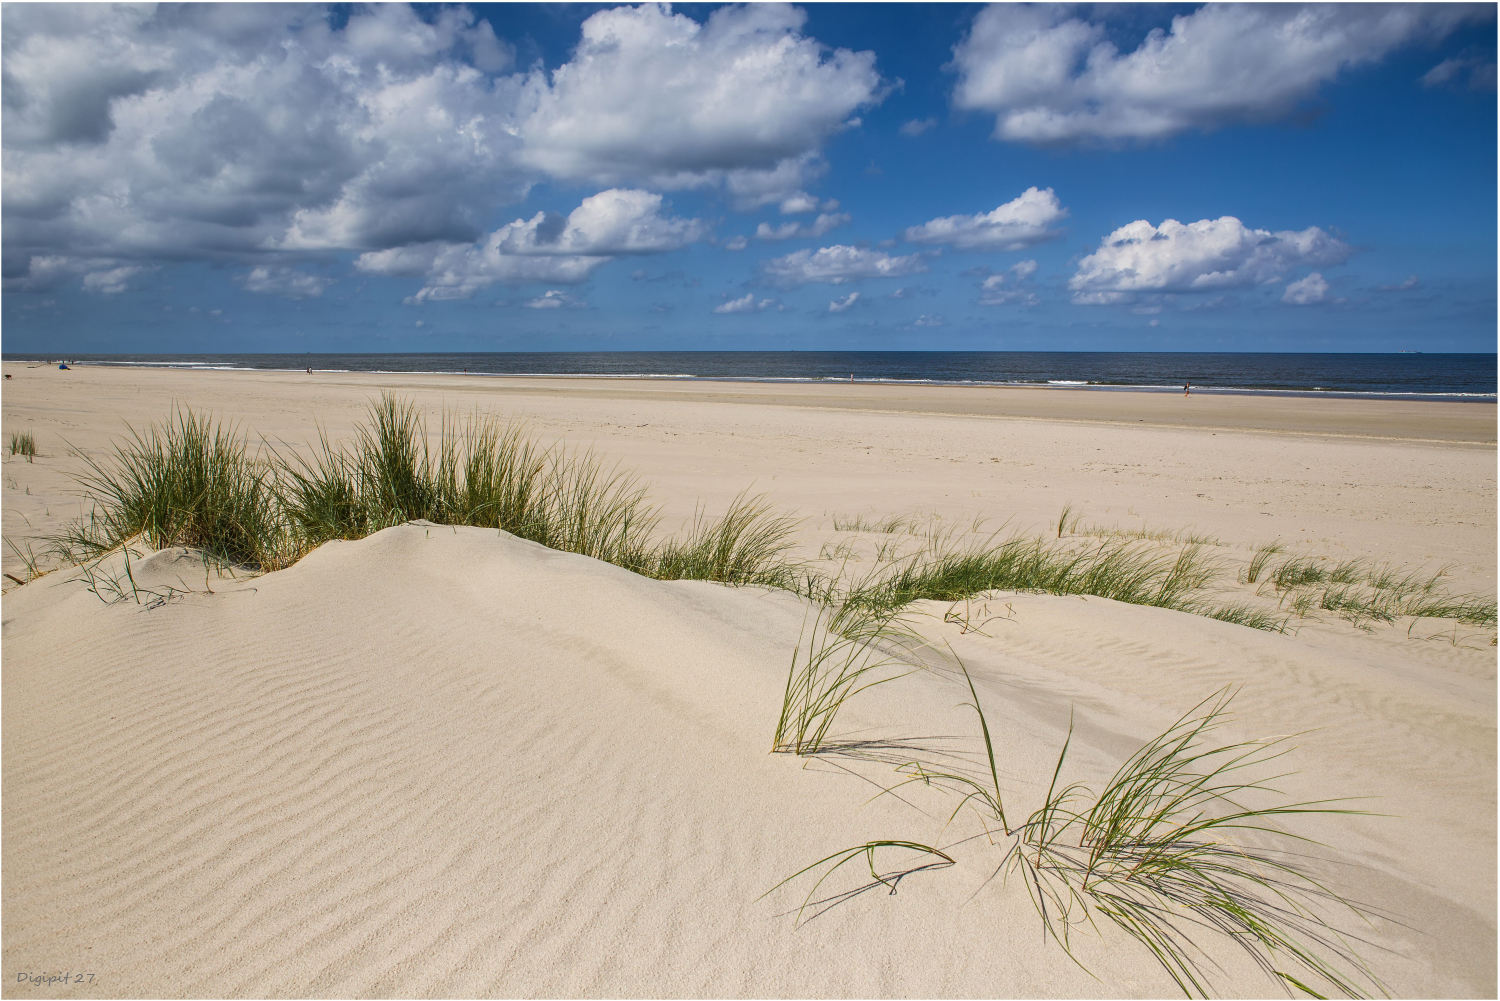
(1442, 376)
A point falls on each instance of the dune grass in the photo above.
(842, 858)
(492, 475)
(194, 482)
(888, 525)
(189, 482)
(23, 443)
(1181, 841)
(1067, 521)
(1260, 561)
(1182, 578)
(1362, 592)
(1243, 614)
(747, 545)
(842, 656)
(1121, 571)
(30, 561)
(1070, 522)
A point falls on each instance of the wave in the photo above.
(1038, 382)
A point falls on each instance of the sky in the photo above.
(584, 177)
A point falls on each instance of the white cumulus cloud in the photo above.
(802, 202)
(840, 264)
(551, 299)
(1204, 256)
(110, 282)
(844, 304)
(138, 133)
(1051, 76)
(752, 188)
(1310, 290)
(548, 247)
(789, 230)
(655, 95)
(745, 304)
(286, 282)
(1012, 290)
(163, 132)
(610, 223)
(1024, 221)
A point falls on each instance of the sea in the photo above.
(1470, 377)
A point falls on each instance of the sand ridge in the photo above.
(444, 761)
(497, 771)
(447, 762)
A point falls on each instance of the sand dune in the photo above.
(447, 762)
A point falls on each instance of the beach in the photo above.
(445, 761)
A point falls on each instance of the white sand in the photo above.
(445, 762)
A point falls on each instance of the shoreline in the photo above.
(1405, 419)
(1206, 385)
(1060, 385)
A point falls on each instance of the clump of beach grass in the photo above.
(1183, 840)
(1260, 560)
(189, 482)
(482, 473)
(1361, 592)
(1144, 534)
(1070, 522)
(888, 525)
(194, 482)
(745, 546)
(493, 475)
(1124, 572)
(23, 443)
(1067, 520)
(1243, 614)
(841, 657)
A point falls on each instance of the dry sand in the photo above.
(448, 762)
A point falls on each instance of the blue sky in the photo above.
(244, 178)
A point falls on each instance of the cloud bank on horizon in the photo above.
(338, 169)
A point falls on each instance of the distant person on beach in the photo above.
(1187, 388)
